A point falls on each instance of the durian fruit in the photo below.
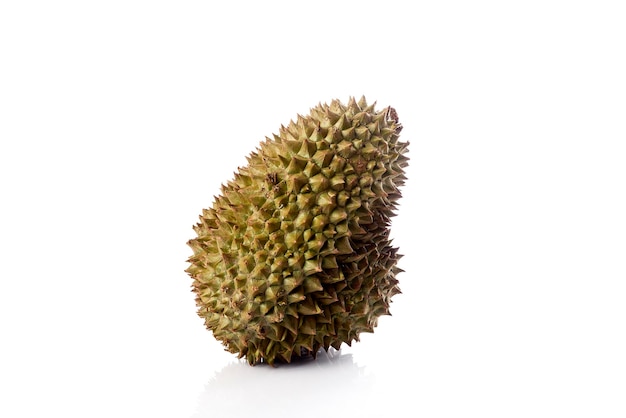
(295, 255)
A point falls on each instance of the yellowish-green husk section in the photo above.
(294, 254)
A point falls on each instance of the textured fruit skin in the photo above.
(294, 254)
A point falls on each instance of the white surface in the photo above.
(119, 120)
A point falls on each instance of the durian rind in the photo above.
(294, 255)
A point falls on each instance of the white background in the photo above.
(120, 119)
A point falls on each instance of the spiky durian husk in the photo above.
(295, 255)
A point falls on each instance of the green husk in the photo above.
(294, 255)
